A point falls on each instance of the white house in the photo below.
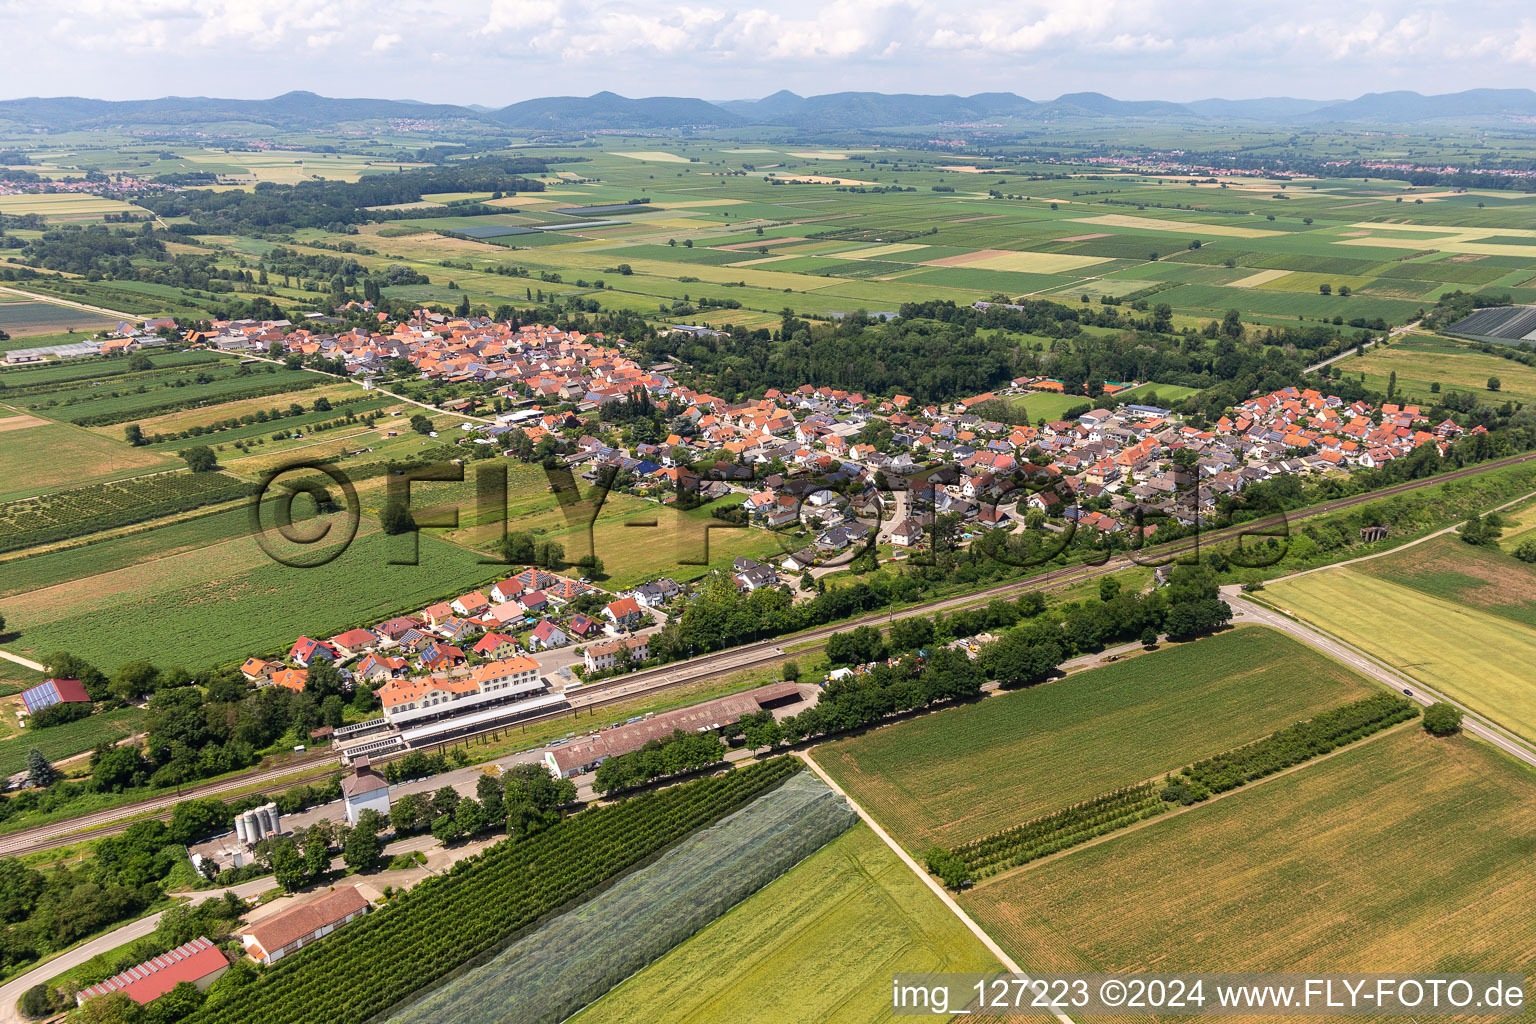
(364, 790)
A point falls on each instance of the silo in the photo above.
(242, 834)
(253, 825)
(277, 818)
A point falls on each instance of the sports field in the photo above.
(1405, 853)
(961, 773)
(818, 944)
(1448, 630)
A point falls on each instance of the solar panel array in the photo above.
(1501, 323)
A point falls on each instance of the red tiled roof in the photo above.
(154, 978)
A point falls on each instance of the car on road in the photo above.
(1408, 691)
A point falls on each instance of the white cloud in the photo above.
(501, 50)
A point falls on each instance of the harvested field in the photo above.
(1405, 850)
(1025, 262)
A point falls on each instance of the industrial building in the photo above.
(199, 962)
(364, 790)
(289, 930)
(585, 754)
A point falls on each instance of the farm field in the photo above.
(961, 773)
(1446, 568)
(1487, 668)
(1420, 361)
(50, 568)
(60, 741)
(637, 539)
(222, 602)
(1406, 850)
(38, 455)
(835, 249)
(22, 318)
(840, 923)
(1521, 527)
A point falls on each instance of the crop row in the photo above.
(1300, 742)
(233, 390)
(83, 510)
(1111, 812)
(1051, 833)
(445, 922)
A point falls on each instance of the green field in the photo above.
(1484, 603)
(1405, 851)
(839, 924)
(50, 568)
(38, 456)
(61, 741)
(959, 774)
(24, 319)
(222, 602)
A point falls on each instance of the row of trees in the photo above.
(681, 752)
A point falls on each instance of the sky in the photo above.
(495, 52)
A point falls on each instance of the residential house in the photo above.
(600, 657)
(547, 635)
(305, 650)
(624, 612)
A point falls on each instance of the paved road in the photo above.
(1361, 348)
(1245, 610)
(12, 990)
(768, 652)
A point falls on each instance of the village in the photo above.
(837, 475)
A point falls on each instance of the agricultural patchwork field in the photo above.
(840, 923)
(38, 456)
(958, 774)
(21, 318)
(1406, 851)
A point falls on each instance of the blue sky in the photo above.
(498, 51)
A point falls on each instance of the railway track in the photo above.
(738, 659)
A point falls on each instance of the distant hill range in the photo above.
(834, 111)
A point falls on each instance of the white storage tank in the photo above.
(242, 832)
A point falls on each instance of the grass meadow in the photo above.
(1421, 362)
(961, 773)
(38, 456)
